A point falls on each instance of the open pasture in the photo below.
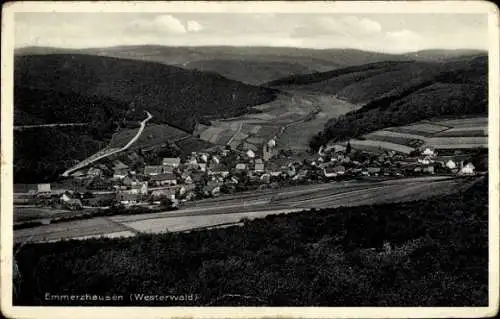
(379, 146)
(425, 129)
(193, 144)
(457, 142)
(212, 134)
(394, 137)
(472, 131)
(122, 137)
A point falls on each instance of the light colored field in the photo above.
(425, 127)
(211, 134)
(456, 140)
(79, 228)
(298, 135)
(458, 146)
(190, 222)
(465, 131)
(379, 146)
(394, 137)
(31, 213)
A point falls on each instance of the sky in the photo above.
(391, 33)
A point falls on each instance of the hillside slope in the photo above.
(253, 65)
(400, 94)
(108, 92)
(173, 95)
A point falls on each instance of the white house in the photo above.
(250, 154)
(164, 179)
(426, 160)
(241, 166)
(468, 169)
(152, 170)
(171, 161)
(330, 172)
(204, 158)
(43, 188)
(428, 152)
(451, 164)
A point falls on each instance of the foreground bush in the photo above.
(424, 253)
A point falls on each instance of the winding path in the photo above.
(110, 152)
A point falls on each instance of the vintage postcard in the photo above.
(250, 159)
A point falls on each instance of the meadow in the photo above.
(466, 133)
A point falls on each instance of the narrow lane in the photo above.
(86, 162)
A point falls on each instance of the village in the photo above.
(223, 170)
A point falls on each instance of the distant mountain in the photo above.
(253, 65)
(173, 95)
(444, 55)
(397, 93)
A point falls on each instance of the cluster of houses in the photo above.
(340, 160)
(207, 174)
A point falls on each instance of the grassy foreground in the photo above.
(438, 256)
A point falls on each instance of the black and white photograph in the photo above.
(250, 156)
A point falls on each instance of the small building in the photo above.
(140, 188)
(152, 170)
(259, 166)
(450, 164)
(164, 179)
(94, 172)
(218, 170)
(127, 198)
(250, 154)
(166, 192)
(43, 188)
(426, 160)
(340, 169)
(373, 170)
(265, 178)
(241, 167)
(468, 169)
(429, 169)
(202, 167)
(428, 152)
(120, 170)
(330, 172)
(168, 169)
(212, 188)
(73, 204)
(171, 162)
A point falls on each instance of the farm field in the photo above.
(158, 134)
(22, 214)
(298, 135)
(395, 137)
(379, 146)
(467, 133)
(232, 208)
(193, 144)
(295, 115)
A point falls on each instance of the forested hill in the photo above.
(172, 94)
(397, 93)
